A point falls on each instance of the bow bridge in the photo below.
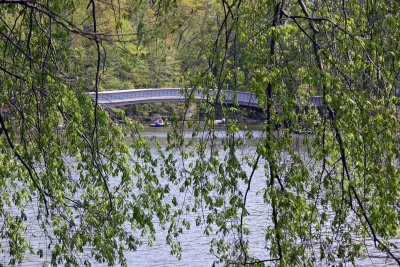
(152, 95)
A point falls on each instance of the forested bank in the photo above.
(145, 44)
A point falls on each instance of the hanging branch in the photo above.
(28, 168)
(96, 107)
(68, 25)
(364, 214)
(341, 145)
(272, 172)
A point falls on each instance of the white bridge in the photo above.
(152, 95)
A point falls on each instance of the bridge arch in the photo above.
(151, 95)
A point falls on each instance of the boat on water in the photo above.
(220, 122)
(159, 122)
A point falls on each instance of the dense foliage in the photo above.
(69, 174)
(64, 167)
(329, 197)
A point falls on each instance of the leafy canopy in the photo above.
(327, 195)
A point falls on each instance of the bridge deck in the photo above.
(152, 95)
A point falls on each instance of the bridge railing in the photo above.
(150, 95)
(138, 96)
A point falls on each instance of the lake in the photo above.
(196, 245)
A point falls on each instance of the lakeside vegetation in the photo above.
(156, 47)
(93, 197)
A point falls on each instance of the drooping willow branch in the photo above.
(31, 172)
(36, 7)
(68, 25)
(364, 214)
(96, 104)
(340, 142)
